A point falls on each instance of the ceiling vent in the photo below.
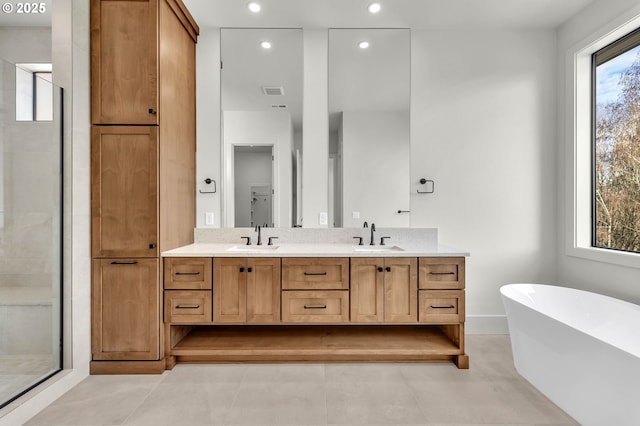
(273, 90)
(279, 106)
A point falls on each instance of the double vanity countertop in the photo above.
(309, 242)
(312, 250)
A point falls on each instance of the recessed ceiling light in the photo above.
(254, 7)
(374, 8)
(363, 44)
(265, 45)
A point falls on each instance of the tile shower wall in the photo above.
(29, 218)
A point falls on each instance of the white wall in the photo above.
(375, 180)
(262, 128)
(483, 128)
(208, 130)
(601, 22)
(315, 125)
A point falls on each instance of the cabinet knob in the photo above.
(241, 269)
(388, 268)
(152, 245)
(152, 111)
(249, 270)
(380, 269)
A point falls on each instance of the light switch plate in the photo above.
(355, 215)
(322, 218)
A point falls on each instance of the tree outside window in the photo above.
(616, 151)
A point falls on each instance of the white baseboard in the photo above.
(486, 324)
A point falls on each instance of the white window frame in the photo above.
(578, 162)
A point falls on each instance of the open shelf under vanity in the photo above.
(315, 343)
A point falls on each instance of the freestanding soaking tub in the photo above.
(580, 349)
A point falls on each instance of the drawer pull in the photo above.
(442, 273)
(187, 273)
(315, 273)
(442, 307)
(187, 306)
(315, 306)
(121, 262)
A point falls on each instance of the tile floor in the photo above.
(18, 372)
(490, 392)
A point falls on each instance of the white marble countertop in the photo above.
(313, 250)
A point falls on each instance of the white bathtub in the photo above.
(580, 349)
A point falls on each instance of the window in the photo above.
(34, 92)
(615, 154)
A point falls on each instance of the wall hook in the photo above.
(431, 186)
(209, 181)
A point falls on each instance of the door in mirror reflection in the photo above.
(253, 177)
(261, 102)
(369, 126)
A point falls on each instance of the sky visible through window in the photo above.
(608, 76)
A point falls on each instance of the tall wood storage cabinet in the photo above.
(143, 146)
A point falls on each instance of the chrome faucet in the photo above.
(258, 229)
(373, 229)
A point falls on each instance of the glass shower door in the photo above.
(30, 228)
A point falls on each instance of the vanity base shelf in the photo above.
(317, 343)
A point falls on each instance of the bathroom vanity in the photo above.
(313, 302)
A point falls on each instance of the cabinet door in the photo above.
(401, 290)
(263, 290)
(367, 289)
(124, 200)
(124, 61)
(230, 290)
(125, 315)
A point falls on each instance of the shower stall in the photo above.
(30, 228)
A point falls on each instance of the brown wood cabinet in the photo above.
(124, 62)
(308, 273)
(124, 192)
(384, 290)
(315, 306)
(441, 295)
(246, 290)
(367, 289)
(186, 273)
(442, 273)
(142, 158)
(333, 309)
(125, 302)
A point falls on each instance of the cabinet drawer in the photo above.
(187, 306)
(315, 274)
(441, 273)
(187, 273)
(315, 306)
(441, 306)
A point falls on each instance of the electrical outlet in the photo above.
(323, 218)
(208, 218)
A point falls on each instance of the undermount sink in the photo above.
(253, 248)
(377, 249)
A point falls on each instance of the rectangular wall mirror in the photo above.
(369, 127)
(261, 106)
